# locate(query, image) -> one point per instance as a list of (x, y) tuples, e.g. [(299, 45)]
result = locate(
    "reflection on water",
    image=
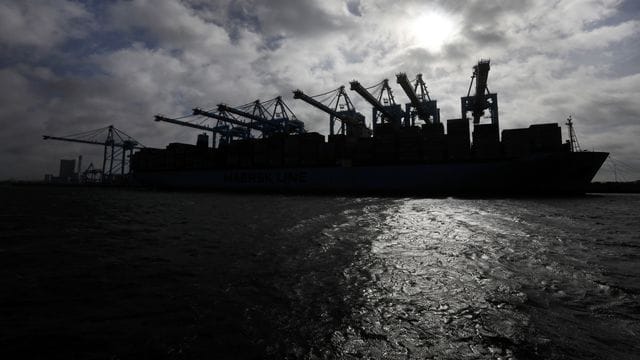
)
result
[(452, 278), (199, 275)]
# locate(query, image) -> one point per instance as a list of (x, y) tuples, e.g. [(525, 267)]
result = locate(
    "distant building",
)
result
[(67, 171)]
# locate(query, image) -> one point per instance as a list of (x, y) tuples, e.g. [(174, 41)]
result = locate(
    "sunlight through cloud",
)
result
[(431, 30)]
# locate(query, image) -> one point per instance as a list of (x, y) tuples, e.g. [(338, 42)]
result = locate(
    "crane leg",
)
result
[(104, 162), (111, 162), (124, 157)]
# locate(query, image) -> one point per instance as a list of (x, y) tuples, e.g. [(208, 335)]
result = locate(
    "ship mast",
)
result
[(573, 139)]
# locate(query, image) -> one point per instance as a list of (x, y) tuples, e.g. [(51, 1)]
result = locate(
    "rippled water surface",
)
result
[(107, 273), (455, 278)]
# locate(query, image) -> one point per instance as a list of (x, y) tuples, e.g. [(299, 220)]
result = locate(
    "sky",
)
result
[(73, 66)]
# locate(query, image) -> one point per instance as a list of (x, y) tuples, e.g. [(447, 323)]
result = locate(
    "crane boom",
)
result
[(355, 86), (228, 119), (126, 144), (47, 137), (425, 108), (482, 99), (222, 130), (260, 119), (404, 82), (481, 72), (299, 94)]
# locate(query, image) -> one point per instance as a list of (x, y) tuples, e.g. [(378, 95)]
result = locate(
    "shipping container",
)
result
[(545, 137), (516, 142), (486, 141), (458, 139)]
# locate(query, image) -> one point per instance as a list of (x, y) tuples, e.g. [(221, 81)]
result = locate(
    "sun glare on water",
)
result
[(431, 30)]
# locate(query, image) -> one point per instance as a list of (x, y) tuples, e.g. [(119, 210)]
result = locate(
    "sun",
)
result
[(432, 29)]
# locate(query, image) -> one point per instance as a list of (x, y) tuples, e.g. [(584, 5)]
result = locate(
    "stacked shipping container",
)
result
[(390, 145)]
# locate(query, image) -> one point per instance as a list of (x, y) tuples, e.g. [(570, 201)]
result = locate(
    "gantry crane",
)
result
[(384, 107), (115, 142), (226, 132), (91, 174), (242, 128), (257, 115), (420, 104), (280, 120), (284, 117), (231, 126), (340, 107), (482, 99)]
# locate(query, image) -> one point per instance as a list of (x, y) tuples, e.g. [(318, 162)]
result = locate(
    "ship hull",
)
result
[(544, 173)]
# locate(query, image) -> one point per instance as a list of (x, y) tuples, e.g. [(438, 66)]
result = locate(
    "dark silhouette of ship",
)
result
[(263, 147)]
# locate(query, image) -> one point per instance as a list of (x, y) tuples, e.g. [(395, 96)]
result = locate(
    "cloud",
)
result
[(125, 61), (170, 23), (354, 7), (42, 23)]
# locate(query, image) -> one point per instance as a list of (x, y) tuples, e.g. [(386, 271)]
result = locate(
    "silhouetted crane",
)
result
[(115, 142), (253, 111), (231, 119), (91, 175), (340, 107), (283, 116), (280, 120), (423, 107), (384, 107), (226, 132), (482, 99)]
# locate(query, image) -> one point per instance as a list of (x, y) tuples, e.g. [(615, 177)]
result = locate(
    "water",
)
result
[(117, 274)]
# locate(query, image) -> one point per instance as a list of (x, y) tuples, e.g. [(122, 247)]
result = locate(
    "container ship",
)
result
[(262, 146)]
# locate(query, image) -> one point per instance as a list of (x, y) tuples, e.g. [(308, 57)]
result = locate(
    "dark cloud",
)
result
[(486, 36), (354, 7), (307, 19), (241, 15)]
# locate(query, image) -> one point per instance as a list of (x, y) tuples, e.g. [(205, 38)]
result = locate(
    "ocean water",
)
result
[(130, 274)]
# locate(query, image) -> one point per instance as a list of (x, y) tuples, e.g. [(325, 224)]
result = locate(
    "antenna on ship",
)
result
[(573, 139)]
